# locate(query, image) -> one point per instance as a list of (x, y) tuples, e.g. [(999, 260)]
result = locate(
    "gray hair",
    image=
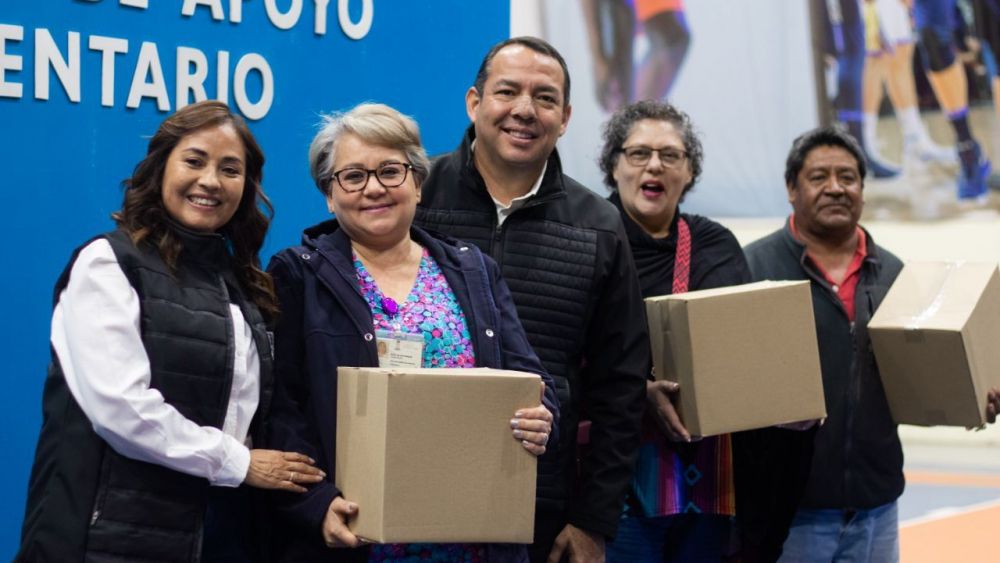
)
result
[(619, 126), (377, 124)]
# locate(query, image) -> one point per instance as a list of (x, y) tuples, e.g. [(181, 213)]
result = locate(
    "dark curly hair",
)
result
[(619, 126), (144, 218)]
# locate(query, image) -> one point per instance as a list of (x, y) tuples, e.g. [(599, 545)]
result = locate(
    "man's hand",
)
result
[(992, 405), (802, 425), (335, 531), (660, 396), (580, 546), (284, 471)]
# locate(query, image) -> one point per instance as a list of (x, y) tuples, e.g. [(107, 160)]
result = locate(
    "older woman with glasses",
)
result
[(363, 278), (683, 496)]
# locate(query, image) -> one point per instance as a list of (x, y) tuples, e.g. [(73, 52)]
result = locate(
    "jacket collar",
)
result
[(638, 237), (330, 240), (798, 248), (198, 247)]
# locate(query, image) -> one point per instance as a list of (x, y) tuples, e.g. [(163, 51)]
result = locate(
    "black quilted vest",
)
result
[(88, 503)]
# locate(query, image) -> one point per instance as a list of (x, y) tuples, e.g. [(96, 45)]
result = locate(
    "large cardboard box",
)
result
[(936, 338), (745, 356), (428, 454)]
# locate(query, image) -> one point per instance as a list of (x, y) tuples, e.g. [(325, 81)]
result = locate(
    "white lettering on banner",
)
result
[(235, 11), (10, 62), (222, 80), (149, 64), (319, 27), (67, 70), (283, 20), (192, 68), (189, 81), (109, 47), (360, 29), (143, 4), (216, 5), (246, 64)]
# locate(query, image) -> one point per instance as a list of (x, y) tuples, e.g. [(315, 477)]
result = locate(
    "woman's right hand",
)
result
[(661, 395), (284, 471), (335, 530)]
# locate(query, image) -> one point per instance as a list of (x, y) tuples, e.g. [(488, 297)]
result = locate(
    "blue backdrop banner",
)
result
[(84, 84)]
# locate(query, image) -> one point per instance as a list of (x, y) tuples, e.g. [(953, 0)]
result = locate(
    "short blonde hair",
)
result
[(373, 123)]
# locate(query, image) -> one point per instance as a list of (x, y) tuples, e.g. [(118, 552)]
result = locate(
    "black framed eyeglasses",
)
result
[(389, 174), (639, 155)]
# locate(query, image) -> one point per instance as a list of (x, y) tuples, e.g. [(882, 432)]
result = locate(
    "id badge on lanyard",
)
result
[(399, 349)]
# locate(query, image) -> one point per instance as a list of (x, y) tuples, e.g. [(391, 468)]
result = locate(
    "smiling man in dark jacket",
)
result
[(564, 254)]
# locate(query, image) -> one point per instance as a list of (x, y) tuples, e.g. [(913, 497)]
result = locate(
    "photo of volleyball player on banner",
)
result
[(914, 81), (930, 149)]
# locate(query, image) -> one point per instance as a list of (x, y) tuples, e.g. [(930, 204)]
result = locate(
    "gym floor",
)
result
[(950, 510)]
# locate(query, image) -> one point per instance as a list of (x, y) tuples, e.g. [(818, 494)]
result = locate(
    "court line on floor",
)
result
[(950, 512), (953, 479)]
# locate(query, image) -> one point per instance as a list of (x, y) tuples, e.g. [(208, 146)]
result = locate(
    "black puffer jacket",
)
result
[(857, 462), (86, 501), (566, 258)]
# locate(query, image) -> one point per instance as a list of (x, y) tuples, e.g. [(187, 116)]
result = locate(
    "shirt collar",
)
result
[(504, 211), (862, 248)]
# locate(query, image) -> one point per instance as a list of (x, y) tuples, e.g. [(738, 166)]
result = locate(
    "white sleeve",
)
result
[(96, 337)]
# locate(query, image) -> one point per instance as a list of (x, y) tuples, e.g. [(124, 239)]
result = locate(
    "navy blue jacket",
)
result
[(325, 323)]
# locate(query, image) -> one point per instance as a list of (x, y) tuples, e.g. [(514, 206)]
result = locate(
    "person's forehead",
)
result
[(651, 126), (514, 58), (830, 155)]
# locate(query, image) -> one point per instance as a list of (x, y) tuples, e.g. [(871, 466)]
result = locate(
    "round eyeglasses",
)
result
[(389, 174), (640, 156)]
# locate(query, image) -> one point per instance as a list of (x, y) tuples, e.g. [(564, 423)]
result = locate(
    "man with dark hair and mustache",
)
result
[(848, 509), (563, 251)]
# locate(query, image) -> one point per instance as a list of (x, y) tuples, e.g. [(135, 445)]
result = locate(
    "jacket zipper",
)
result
[(102, 489), (852, 376), (853, 389), (230, 352), (496, 245)]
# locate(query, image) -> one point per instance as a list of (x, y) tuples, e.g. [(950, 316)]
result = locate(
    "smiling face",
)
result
[(827, 196), (203, 178), (650, 193), (375, 216), (520, 114)]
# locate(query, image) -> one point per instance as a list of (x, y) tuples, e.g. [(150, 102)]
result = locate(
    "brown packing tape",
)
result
[(681, 361), (361, 397), (654, 318)]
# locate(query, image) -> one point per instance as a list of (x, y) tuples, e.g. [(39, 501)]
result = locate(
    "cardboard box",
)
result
[(428, 454), (936, 338), (745, 356)]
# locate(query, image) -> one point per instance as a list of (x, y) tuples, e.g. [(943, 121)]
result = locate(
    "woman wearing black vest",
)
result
[(161, 370), (687, 493)]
